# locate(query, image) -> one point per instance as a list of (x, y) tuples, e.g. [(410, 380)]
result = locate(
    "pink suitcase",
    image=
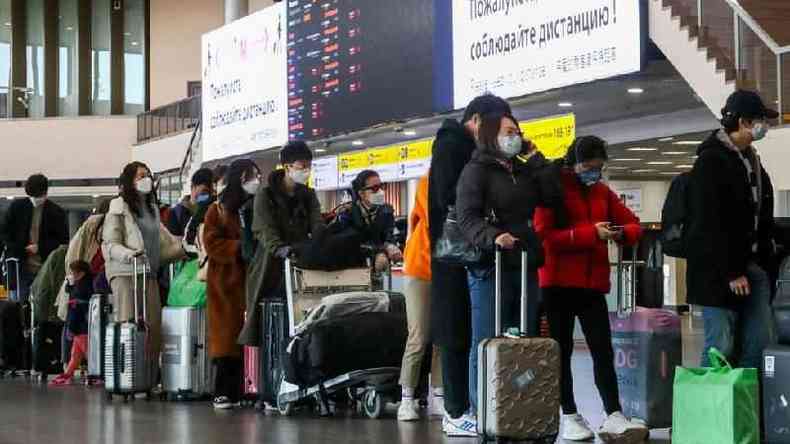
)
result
[(251, 373)]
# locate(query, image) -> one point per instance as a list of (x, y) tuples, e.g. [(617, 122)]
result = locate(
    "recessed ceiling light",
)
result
[(8, 23), (684, 167), (358, 143), (320, 150), (645, 171), (135, 43), (635, 90), (410, 133), (640, 148), (674, 153), (565, 104), (659, 163), (666, 173), (10, 197), (626, 160), (96, 196), (687, 142), (666, 139), (127, 34), (69, 28)]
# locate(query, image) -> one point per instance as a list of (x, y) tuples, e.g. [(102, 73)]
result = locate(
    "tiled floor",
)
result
[(74, 415)]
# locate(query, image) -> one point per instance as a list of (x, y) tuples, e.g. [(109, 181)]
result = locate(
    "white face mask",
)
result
[(299, 176), (378, 198), (38, 201), (759, 131), (510, 145), (144, 185), (251, 187)]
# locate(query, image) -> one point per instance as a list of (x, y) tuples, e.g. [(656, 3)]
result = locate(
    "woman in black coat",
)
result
[(450, 305)]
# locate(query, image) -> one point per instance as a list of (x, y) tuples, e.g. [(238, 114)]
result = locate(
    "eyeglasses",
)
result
[(373, 188)]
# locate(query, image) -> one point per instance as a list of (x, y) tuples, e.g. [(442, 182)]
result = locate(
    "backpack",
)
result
[(674, 218)]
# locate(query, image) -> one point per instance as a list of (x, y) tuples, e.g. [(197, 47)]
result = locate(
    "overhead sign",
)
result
[(513, 48), (324, 173), (245, 88), (552, 136), (351, 164)]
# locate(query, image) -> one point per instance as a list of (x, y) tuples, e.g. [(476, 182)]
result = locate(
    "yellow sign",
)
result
[(417, 150), (353, 161), (385, 156), (552, 136)]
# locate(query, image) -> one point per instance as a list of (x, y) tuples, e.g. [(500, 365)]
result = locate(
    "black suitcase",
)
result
[(332, 347), (46, 340), (782, 304), (275, 333), (776, 394), (12, 338)]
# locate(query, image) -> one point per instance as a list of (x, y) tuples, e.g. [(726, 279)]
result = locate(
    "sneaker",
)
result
[(223, 403), (436, 406), (465, 426), (618, 429), (408, 410), (576, 428)]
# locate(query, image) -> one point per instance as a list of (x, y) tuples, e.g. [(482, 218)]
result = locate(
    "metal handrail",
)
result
[(176, 117)]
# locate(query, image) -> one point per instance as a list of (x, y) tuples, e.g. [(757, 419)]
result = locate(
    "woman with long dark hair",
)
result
[(227, 276), (132, 229)]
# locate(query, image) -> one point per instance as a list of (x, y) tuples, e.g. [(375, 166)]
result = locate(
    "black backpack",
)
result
[(674, 217)]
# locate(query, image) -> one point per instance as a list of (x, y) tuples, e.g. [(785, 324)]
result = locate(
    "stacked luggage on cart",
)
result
[(776, 370)]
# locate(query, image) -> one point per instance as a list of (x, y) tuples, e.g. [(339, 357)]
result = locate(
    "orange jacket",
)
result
[(417, 257)]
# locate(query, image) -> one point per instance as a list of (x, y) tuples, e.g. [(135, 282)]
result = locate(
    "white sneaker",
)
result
[(576, 428), (408, 410), (436, 406), (223, 403), (618, 429), (465, 426)]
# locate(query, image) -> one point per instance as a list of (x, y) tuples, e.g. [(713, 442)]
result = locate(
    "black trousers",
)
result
[(228, 378), (563, 306), (455, 375)]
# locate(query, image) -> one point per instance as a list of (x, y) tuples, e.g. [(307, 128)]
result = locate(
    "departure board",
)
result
[(356, 63)]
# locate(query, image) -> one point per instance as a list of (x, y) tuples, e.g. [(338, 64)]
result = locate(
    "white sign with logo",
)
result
[(245, 87), (325, 173), (632, 198), (516, 47)]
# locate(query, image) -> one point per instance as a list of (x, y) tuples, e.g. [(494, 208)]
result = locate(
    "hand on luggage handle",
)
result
[(498, 288)]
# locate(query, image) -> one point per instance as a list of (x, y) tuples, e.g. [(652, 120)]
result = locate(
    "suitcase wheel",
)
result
[(373, 404), (285, 408)]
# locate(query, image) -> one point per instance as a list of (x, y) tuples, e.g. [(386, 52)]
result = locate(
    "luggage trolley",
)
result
[(368, 389)]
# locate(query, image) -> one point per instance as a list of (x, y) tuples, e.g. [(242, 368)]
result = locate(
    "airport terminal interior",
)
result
[(243, 125)]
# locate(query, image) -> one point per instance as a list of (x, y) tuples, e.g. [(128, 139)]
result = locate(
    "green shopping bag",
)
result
[(186, 290), (718, 405)]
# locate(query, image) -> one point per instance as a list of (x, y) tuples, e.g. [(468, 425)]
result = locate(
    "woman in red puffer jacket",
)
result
[(575, 280)]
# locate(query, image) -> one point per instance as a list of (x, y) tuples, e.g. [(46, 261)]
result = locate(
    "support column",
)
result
[(236, 9)]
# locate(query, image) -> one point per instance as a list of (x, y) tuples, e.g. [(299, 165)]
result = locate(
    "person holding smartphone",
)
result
[(576, 277)]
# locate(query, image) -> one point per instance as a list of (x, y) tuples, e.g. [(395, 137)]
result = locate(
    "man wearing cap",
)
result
[(729, 234)]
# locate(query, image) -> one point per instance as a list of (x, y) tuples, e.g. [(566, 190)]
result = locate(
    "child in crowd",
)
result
[(80, 290)]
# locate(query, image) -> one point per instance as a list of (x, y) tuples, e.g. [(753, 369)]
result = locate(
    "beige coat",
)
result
[(122, 237), (83, 247)]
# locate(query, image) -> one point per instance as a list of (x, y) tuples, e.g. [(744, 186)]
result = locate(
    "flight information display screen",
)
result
[(356, 63)]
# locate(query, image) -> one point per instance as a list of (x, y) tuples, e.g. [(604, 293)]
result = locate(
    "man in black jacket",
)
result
[(450, 304), (729, 236), (34, 228), (201, 193)]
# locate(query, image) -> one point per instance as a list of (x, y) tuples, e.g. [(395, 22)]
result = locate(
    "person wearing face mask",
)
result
[(729, 236), (286, 212), (576, 277), (132, 229), (227, 277), (34, 227), (497, 194), (369, 213), (201, 194)]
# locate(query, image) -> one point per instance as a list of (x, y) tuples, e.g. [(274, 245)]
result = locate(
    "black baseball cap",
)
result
[(749, 105)]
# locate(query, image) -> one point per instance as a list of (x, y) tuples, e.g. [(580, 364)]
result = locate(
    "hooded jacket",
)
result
[(497, 195), (721, 229), (278, 220)]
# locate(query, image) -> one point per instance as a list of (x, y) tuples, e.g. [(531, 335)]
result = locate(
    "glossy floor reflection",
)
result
[(75, 415)]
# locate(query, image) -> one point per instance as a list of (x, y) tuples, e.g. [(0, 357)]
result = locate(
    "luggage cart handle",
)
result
[(498, 289), (625, 307)]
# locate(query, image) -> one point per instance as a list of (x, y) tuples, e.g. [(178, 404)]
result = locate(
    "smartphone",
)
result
[(616, 227)]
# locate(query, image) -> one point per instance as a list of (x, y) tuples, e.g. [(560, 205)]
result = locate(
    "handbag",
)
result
[(452, 248), (186, 290)]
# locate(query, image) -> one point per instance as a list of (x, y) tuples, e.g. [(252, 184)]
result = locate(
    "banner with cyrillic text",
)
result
[(512, 48)]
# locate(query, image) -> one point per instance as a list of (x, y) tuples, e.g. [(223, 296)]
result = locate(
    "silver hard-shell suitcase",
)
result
[(128, 366), (518, 378), (185, 364), (98, 313)]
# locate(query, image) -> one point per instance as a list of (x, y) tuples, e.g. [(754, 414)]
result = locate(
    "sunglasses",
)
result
[(373, 188)]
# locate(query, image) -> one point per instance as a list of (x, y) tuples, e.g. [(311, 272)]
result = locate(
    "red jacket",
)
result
[(575, 256)]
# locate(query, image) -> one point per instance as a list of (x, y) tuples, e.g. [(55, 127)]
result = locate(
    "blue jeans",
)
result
[(481, 291), (742, 333)]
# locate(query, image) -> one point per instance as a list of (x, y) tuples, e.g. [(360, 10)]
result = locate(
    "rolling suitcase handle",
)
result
[(136, 261), (626, 307), (18, 282), (498, 289)]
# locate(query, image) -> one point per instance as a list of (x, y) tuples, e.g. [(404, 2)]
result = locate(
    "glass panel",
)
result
[(134, 63), (35, 57), (68, 104), (758, 67), (5, 56), (100, 57), (785, 88), (718, 34)]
